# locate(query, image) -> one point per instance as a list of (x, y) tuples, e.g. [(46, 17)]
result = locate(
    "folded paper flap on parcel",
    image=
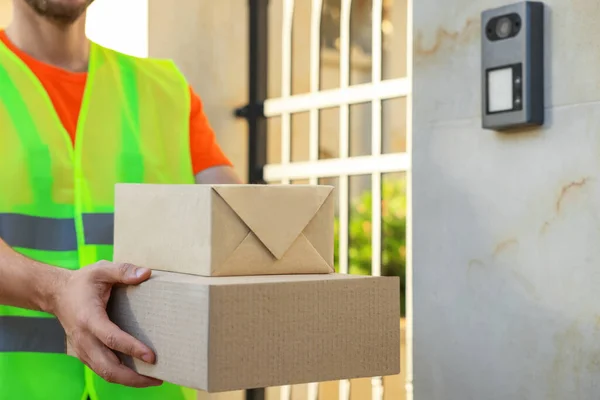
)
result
[(226, 230), (276, 218)]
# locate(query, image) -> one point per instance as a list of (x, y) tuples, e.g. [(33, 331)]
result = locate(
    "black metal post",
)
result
[(257, 89), (253, 112)]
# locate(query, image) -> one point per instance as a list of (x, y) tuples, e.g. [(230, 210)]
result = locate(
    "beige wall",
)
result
[(5, 12), (208, 41)]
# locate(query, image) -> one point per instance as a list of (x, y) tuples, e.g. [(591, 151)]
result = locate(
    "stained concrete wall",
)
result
[(506, 226)]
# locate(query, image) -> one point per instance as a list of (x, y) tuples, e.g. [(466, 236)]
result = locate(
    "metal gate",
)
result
[(343, 165)]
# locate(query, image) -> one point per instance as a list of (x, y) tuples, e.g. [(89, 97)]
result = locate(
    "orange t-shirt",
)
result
[(66, 89)]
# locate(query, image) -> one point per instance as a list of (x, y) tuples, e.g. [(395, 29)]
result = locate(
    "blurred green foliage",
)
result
[(393, 227)]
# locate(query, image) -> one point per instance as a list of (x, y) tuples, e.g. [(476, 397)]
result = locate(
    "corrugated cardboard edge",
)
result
[(192, 305), (219, 292), (219, 298)]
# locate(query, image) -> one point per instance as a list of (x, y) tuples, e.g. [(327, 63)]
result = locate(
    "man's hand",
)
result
[(80, 305), (78, 299)]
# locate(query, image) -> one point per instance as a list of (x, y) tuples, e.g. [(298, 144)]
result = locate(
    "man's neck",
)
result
[(65, 47)]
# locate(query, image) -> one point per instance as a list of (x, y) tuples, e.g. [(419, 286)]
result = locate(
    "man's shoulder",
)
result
[(153, 68)]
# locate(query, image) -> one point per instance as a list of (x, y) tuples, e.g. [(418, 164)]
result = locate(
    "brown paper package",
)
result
[(225, 230)]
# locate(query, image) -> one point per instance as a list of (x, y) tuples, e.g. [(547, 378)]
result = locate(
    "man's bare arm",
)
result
[(26, 283), (78, 299), (218, 175)]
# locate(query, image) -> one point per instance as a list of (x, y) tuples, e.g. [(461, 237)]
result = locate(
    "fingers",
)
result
[(114, 338), (107, 365), (83, 314), (122, 273)]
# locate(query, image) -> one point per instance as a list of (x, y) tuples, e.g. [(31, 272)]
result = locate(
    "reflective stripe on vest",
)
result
[(54, 234), (30, 334)]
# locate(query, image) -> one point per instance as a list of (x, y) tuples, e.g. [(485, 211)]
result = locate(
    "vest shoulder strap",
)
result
[(163, 71)]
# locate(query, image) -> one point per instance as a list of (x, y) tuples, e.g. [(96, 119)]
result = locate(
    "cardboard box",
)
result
[(225, 230), (233, 333)]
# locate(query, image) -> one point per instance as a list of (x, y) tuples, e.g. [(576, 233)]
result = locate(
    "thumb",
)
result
[(125, 273)]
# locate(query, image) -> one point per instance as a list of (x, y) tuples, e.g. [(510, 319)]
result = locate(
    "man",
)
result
[(76, 118)]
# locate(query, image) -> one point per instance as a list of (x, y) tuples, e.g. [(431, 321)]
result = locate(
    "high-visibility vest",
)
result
[(56, 201)]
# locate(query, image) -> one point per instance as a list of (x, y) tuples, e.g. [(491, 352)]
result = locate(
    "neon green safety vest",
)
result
[(56, 202)]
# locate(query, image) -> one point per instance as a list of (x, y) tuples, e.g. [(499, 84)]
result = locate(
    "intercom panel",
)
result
[(512, 66)]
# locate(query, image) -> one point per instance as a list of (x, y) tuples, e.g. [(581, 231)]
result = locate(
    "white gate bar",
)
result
[(315, 74), (285, 392), (376, 48), (346, 8), (313, 133), (363, 165), (376, 140), (312, 391), (376, 76), (344, 389), (286, 48), (409, 209), (286, 80), (376, 57), (344, 132), (362, 93), (376, 224), (345, 12)]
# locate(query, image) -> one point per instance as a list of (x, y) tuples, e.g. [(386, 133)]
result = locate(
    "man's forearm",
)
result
[(218, 176), (27, 283)]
